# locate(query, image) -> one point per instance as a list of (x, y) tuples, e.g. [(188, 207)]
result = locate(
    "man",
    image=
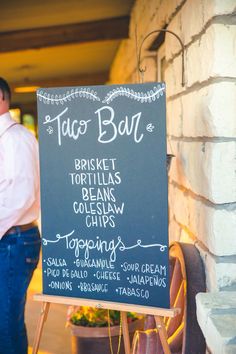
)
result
[(19, 235)]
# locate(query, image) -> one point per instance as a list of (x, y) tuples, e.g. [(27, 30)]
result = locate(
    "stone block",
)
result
[(173, 78), (174, 231), (209, 112), (220, 271), (189, 23), (216, 313), (220, 7), (213, 226), (200, 58), (223, 229), (206, 168), (172, 44), (179, 205), (224, 65), (164, 13), (174, 112), (223, 176), (185, 237), (230, 348), (149, 16), (192, 19), (205, 59)]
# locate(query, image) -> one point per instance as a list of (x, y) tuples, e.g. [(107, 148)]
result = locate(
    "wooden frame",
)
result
[(106, 29), (157, 312)]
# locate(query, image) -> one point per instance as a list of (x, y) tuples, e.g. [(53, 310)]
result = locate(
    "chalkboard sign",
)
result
[(104, 193)]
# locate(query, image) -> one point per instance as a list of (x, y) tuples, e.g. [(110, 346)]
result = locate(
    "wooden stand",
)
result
[(159, 313)]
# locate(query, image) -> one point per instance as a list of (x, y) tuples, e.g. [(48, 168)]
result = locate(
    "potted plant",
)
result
[(99, 331)]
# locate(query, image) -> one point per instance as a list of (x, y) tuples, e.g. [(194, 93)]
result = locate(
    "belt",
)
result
[(21, 228)]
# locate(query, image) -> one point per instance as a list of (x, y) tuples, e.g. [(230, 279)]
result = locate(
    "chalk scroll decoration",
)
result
[(142, 97), (88, 245), (87, 93), (48, 98)]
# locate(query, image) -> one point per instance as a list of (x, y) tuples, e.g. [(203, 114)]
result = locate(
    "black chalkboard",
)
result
[(104, 193)]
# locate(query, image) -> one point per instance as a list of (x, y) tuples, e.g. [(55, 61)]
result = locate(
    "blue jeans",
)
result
[(19, 255)]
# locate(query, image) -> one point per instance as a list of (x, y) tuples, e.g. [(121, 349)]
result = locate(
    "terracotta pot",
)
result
[(86, 340)]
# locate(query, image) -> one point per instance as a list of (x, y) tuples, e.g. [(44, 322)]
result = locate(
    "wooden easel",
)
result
[(158, 313)]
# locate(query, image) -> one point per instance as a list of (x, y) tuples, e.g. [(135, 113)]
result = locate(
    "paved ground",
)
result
[(55, 338)]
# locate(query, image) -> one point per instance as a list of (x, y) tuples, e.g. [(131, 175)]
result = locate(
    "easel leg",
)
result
[(125, 330), (163, 334), (42, 320)]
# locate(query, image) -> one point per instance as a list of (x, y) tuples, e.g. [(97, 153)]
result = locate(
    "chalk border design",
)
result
[(48, 98), (88, 245), (142, 97), (121, 248)]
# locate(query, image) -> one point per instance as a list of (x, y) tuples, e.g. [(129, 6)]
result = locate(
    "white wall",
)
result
[(201, 118), (201, 121)]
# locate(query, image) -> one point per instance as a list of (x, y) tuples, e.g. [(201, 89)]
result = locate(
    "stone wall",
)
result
[(201, 121)]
